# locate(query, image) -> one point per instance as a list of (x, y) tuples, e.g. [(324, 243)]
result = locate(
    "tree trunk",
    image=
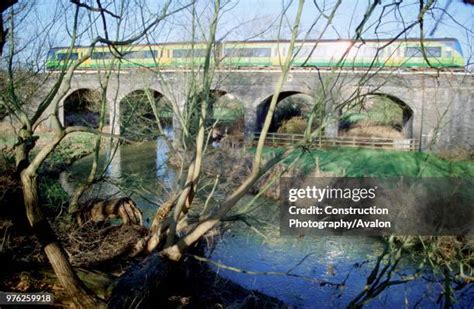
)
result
[(54, 252)]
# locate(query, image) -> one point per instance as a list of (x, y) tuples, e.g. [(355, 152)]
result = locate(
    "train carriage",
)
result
[(248, 54), (187, 55), (441, 53), (136, 56), (104, 57)]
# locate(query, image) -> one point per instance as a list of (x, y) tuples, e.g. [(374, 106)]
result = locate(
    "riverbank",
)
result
[(191, 284)]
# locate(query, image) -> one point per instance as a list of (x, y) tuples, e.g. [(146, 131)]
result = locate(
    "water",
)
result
[(330, 260), (140, 171)]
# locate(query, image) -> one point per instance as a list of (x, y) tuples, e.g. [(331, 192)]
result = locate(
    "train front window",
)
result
[(64, 56), (51, 55), (453, 45), (417, 52)]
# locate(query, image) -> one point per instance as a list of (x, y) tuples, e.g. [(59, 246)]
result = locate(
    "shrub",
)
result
[(295, 125)]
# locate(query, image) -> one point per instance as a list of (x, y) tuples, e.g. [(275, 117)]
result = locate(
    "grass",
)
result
[(73, 147), (356, 162)]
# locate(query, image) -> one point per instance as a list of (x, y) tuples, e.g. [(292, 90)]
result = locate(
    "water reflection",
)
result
[(162, 149), (114, 169), (139, 171)]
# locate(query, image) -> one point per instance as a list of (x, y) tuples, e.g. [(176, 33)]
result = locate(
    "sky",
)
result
[(259, 19), (457, 23)]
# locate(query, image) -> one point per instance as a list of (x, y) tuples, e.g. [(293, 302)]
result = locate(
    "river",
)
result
[(141, 172)]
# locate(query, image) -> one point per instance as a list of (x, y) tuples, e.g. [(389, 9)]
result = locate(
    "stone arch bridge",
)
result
[(438, 108)]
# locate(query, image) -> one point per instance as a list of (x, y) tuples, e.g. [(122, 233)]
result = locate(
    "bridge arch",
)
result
[(227, 112), (144, 112), (81, 107), (378, 114), (290, 105)]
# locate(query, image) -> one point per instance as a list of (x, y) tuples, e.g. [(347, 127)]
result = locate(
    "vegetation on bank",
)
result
[(358, 162), (74, 147)]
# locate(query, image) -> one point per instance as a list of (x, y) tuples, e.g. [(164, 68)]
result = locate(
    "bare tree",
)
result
[(28, 163)]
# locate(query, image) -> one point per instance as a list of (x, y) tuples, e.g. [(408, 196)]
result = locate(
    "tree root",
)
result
[(101, 210)]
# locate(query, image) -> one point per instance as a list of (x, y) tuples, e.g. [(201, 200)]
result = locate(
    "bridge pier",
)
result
[(250, 118), (407, 129), (332, 127), (114, 116)]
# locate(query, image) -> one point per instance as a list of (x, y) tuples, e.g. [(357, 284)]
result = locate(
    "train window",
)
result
[(64, 56), (453, 45), (328, 51), (142, 54), (150, 53), (248, 52), (261, 52), (235, 52), (101, 55), (416, 52), (396, 53), (433, 51), (369, 51), (383, 53), (187, 53)]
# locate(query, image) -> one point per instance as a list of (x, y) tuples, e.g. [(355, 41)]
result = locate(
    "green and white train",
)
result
[(407, 53)]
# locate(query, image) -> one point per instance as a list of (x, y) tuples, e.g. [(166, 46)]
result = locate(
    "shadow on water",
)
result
[(141, 171)]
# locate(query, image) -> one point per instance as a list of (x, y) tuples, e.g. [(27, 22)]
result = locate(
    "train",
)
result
[(406, 53)]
